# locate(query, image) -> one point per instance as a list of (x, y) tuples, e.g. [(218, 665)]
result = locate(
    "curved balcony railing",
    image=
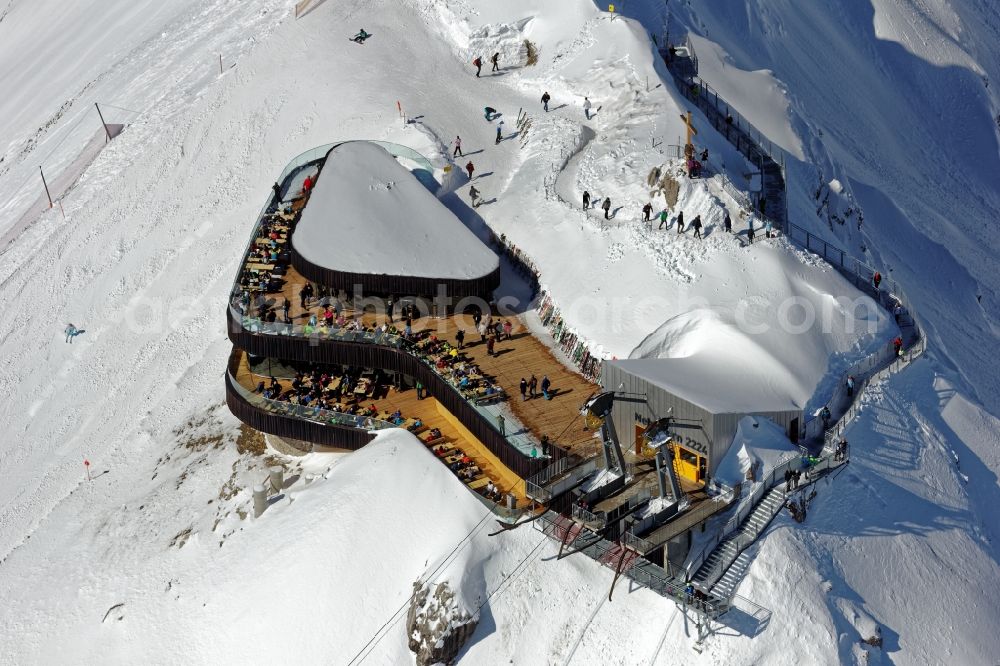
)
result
[(309, 413), (345, 431), (364, 348), (421, 168)]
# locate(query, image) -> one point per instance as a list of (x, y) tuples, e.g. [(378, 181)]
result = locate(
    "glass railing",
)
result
[(310, 413), (421, 167), (524, 442), (241, 306)]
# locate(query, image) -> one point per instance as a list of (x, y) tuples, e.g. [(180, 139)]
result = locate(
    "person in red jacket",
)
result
[(470, 169), (307, 184)]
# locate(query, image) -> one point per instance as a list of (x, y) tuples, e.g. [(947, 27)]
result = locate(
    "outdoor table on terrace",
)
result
[(260, 267), (482, 482)]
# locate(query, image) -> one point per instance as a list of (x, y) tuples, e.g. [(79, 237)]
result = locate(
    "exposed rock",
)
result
[(436, 625)]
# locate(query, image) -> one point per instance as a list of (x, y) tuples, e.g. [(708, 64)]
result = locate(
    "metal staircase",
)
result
[(716, 573)]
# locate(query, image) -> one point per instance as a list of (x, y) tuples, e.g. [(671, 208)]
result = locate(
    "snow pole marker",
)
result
[(86, 465), (46, 185), (399, 107)]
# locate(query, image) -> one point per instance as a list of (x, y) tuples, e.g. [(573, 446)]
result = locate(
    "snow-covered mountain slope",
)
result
[(144, 261)]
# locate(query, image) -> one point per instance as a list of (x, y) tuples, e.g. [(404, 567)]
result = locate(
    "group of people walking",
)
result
[(529, 388)]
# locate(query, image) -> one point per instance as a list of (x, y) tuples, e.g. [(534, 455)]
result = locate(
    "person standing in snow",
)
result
[(825, 415), (277, 192), (71, 332), (876, 280), (474, 193), (606, 206), (727, 223), (767, 229), (680, 222), (499, 132), (545, 101), (496, 62), (663, 218), (307, 185), (586, 200), (647, 210), (458, 147), (850, 386), (470, 168), (489, 112), (696, 225), (478, 62), (586, 107)]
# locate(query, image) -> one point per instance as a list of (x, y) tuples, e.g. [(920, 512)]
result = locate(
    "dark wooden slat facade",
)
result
[(335, 352), (399, 285), (341, 437)]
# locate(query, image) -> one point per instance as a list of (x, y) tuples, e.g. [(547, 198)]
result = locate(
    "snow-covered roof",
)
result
[(757, 440), (720, 388), (369, 214)]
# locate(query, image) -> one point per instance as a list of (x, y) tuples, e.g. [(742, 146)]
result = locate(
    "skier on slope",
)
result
[(474, 193), (499, 132), (71, 332), (361, 36), (470, 168), (489, 112), (458, 147)]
